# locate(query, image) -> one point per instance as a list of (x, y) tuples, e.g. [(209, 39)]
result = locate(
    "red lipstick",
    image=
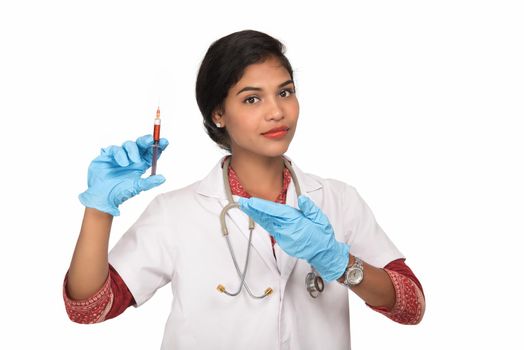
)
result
[(276, 132)]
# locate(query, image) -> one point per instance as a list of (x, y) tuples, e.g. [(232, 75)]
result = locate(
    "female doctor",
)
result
[(260, 254)]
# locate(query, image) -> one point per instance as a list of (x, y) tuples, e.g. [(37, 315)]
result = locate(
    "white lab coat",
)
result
[(178, 239)]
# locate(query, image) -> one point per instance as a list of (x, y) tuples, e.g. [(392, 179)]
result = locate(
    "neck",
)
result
[(259, 175)]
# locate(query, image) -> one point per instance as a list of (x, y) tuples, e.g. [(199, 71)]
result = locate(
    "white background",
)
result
[(417, 104)]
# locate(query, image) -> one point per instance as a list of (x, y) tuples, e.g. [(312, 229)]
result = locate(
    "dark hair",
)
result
[(223, 66)]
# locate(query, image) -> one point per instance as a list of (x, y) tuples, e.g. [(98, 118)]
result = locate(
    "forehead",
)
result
[(267, 73)]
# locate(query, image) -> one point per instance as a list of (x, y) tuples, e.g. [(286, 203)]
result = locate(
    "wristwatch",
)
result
[(354, 273)]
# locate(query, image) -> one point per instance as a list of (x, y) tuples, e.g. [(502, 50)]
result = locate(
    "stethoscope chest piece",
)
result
[(314, 284)]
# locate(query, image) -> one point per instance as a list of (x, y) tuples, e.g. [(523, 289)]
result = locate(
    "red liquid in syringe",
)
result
[(156, 141)]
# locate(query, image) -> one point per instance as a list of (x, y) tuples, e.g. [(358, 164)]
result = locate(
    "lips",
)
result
[(274, 130)]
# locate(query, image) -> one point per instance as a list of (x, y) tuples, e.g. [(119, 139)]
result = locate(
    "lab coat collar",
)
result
[(213, 186)]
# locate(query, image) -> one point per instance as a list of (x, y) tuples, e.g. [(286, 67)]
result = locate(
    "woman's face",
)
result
[(263, 99)]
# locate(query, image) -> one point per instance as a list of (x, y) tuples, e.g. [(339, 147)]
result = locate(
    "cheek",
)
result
[(243, 127), (293, 108)]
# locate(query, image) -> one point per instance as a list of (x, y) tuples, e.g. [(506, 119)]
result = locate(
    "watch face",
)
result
[(355, 276)]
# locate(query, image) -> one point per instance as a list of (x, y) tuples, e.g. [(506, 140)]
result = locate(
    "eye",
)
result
[(286, 92), (251, 100)]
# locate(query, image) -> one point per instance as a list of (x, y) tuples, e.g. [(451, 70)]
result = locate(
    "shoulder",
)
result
[(335, 187), (339, 196), (178, 197), (339, 186)]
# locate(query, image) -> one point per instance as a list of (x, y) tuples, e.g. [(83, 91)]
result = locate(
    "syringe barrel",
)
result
[(156, 151), (156, 130)]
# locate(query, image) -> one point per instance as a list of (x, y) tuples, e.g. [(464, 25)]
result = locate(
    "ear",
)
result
[(217, 115)]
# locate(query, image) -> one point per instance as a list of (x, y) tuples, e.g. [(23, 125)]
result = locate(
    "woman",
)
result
[(304, 224)]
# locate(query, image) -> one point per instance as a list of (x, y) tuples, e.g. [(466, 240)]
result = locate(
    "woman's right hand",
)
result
[(115, 175)]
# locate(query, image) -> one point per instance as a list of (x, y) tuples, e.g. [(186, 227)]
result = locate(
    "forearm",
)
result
[(89, 266), (376, 289)]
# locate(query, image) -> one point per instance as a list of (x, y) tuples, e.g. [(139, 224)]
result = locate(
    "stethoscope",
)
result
[(314, 282)]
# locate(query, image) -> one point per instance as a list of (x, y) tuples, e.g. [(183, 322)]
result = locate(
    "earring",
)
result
[(218, 125)]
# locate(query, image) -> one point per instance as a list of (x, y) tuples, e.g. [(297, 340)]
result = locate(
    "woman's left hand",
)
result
[(305, 233)]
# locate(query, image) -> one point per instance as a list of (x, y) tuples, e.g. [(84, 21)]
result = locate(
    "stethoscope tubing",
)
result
[(242, 273)]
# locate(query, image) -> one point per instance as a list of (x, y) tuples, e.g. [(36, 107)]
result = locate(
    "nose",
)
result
[(274, 109)]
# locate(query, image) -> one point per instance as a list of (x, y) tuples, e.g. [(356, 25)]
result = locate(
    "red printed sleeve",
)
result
[(110, 301), (410, 303)]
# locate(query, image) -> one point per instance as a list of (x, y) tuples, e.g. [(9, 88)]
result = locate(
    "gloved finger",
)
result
[(311, 211), (132, 151), (259, 217), (144, 142), (270, 215), (150, 182), (163, 143), (117, 154), (271, 208), (267, 222)]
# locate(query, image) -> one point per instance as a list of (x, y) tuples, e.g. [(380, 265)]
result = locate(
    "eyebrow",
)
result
[(252, 88)]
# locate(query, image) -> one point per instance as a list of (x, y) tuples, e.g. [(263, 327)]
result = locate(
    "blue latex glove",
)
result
[(305, 233), (115, 175)]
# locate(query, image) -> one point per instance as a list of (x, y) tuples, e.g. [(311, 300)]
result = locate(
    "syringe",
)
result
[(156, 141)]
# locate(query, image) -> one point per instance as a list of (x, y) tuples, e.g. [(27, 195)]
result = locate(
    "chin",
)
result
[(270, 150), (276, 151)]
